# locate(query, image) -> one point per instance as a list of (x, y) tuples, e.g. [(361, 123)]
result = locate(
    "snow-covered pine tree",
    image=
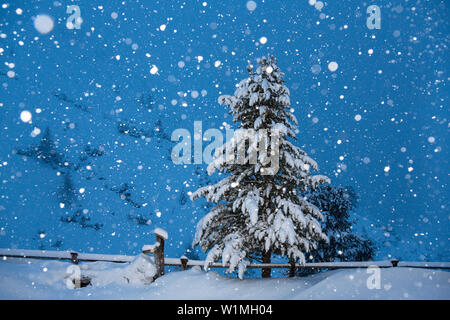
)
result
[(259, 212)]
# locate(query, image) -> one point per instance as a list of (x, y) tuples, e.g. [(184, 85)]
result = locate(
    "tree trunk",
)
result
[(292, 268), (265, 273)]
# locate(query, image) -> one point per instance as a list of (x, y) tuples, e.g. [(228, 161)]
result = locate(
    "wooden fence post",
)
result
[(161, 236), (74, 257), (184, 260)]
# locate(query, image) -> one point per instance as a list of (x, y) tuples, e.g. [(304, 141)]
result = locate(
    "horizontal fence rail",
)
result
[(76, 257), (364, 264), (321, 265)]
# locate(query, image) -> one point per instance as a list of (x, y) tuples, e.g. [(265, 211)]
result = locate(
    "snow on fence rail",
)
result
[(157, 250)]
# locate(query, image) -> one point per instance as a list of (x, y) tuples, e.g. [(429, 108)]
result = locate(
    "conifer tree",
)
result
[(336, 203), (259, 208), (46, 151)]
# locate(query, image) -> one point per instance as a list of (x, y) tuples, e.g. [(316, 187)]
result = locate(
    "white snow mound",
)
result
[(40, 279)]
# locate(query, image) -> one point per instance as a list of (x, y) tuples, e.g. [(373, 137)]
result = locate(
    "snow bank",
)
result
[(396, 283), (140, 271), (38, 279), (45, 279)]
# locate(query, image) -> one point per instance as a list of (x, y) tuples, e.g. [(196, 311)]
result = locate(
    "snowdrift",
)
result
[(38, 279)]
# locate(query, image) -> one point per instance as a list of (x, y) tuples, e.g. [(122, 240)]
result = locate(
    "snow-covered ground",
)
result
[(43, 279)]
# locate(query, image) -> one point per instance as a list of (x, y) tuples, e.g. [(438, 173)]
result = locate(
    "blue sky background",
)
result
[(378, 123)]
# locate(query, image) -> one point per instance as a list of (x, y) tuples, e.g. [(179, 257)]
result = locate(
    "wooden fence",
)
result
[(157, 250)]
